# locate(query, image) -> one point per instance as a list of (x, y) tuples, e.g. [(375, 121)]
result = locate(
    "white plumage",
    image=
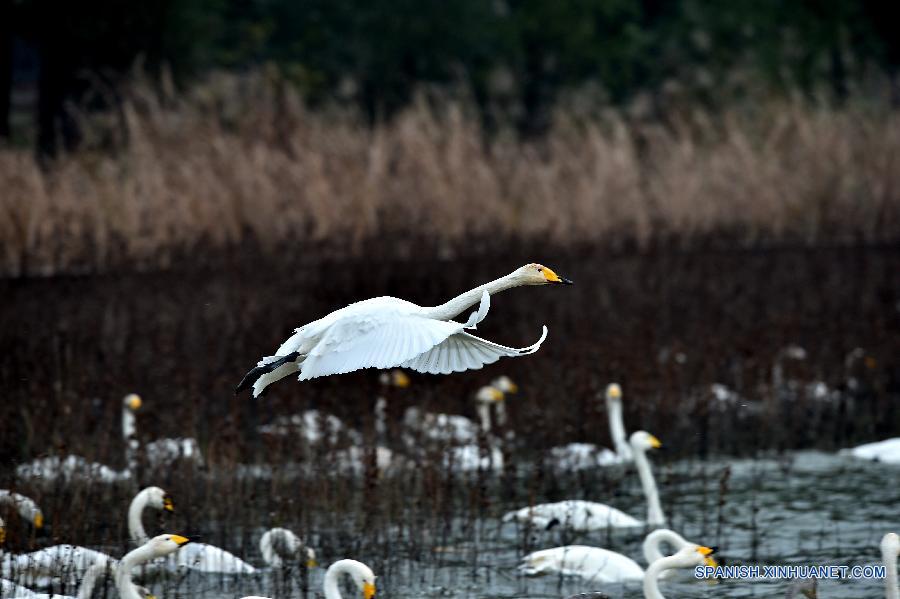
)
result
[(387, 332), (581, 515), (887, 451)]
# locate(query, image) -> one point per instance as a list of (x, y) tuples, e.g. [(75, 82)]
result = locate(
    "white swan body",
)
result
[(453, 428), (887, 451), (387, 332), (159, 453), (592, 563), (581, 515), (201, 557), (584, 456), (314, 427), (280, 544), (686, 557), (470, 458)]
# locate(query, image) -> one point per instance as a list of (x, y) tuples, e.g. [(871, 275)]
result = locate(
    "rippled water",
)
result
[(808, 508)]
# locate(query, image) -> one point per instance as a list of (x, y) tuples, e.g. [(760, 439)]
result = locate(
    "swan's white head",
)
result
[(159, 499), (394, 378), (163, 545), (642, 441), (890, 545), (505, 384), (132, 401), (538, 274), (362, 575), (694, 555), (489, 394), (613, 391)]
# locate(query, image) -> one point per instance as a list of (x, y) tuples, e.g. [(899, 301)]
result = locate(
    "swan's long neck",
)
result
[(468, 299), (617, 427), (131, 560), (135, 526), (655, 516), (277, 544), (655, 538), (332, 575), (651, 576), (90, 580), (484, 414), (129, 434), (890, 576)]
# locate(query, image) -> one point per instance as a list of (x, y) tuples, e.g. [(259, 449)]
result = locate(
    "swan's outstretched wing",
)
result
[(462, 351)]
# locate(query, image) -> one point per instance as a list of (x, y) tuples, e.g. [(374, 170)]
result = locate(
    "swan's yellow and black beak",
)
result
[(368, 590), (654, 442), (168, 504), (180, 540), (312, 563), (2, 535), (401, 379), (552, 277), (38, 520), (707, 552)]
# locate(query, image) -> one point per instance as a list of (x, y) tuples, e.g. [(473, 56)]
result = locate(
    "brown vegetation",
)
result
[(241, 158)]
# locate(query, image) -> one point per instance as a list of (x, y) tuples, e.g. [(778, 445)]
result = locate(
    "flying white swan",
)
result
[(581, 515), (597, 564), (69, 563), (583, 456), (890, 547), (361, 575), (280, 545), (386, 332)]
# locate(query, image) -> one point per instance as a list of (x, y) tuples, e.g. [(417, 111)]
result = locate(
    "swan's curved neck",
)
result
[(465, 300), (890, 576), (135, 526), (484, 414), (332, 575), (617, 427), (129, 434), (655, 516), (90, 580), (655, 538), (651, 576), (131, 560)]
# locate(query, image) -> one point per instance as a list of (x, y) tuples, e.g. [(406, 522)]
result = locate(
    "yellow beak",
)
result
[(368, 590), (401, 379), (655, 443), (2, 535), (311, 563), (180, 540), (168, 504), (39, 520), (134, 401)]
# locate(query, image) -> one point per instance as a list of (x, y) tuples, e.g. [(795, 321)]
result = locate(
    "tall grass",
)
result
[(241, 158)]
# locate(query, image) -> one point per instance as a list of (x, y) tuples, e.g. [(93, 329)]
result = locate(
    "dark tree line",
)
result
[(507, 53)]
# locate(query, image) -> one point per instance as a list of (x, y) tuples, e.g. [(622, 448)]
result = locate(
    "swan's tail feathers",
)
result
[(267, 371)]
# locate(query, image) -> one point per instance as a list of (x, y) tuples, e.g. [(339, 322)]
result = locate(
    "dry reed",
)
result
[(241, 158)]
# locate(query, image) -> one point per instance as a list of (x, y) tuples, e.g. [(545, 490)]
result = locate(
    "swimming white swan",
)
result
[(26, 507), (453, 428), (587, 515), (887, 451), (157, 547), (583, 456), (686, 557), (280, 544), (159, 453), (890, 547), (386, 332), (361, 575), (597, 564), (69, 563)]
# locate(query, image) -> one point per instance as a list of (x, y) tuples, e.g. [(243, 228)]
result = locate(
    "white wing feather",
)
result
[(462, 351)]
